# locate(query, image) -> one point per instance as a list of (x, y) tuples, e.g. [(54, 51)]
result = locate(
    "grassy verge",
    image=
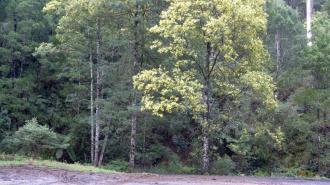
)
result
[(9, 161)]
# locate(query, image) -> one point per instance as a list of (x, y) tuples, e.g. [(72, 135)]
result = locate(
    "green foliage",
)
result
[(117, 165), (36, 140), (173, 168), (293, 172), (259, 146), (262, 86), (260, 173), (184, 38), (158, 153), (223, 166), (16, 160), (317, 57), (47, 46), (167, 93), (215, 54), (285, 23)]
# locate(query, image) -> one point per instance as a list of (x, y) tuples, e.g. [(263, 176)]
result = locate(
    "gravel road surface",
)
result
[(30, 175)]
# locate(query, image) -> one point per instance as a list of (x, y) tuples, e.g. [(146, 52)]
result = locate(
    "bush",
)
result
[(118, 165), (157, 154), (293, 172), (223, 166), (173, 167), (35, 140), (164, 161), (260, 173)]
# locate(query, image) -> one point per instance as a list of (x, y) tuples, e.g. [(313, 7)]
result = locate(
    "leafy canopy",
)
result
[(232, 29)]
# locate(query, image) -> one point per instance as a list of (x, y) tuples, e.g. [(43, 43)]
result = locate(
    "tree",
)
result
[(216, 48), (284, 34), (22, 27), (140, 15), (308, 91), (137, 61), (83, 39)]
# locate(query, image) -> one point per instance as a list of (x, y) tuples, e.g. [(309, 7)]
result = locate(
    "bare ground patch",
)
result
[(31, 175)]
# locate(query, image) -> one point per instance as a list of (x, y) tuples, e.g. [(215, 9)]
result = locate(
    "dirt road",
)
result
[(30, 175)]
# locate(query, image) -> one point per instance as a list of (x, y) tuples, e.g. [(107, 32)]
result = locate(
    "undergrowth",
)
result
[(14, 160)]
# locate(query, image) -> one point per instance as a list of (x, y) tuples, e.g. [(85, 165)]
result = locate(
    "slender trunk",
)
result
[(97, 117), (144, 145), (13, 63), (92, 105), (105, 141), (136, 58), (205, 127), (206, 116), (12, 73), (98, 90), (278, 52), (103, 149), (77, 91), (15, 21), (206, 159), (133, 142), (309, 11)]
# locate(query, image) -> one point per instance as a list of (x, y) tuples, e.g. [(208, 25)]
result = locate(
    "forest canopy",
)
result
[(169, 86)]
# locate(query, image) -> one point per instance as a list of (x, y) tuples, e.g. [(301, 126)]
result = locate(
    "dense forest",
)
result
[(168, 86)]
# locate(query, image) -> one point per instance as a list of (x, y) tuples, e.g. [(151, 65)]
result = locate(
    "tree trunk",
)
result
[(15, 21), (12, 71), (206, 116), (206, 159), (133, 142), (92, 105), (144, 145), (105, 141), (309, 11), (278, 52), (136, 59), (98, 90), (205, 127), (103, 149), (13, 63), (97, 117)]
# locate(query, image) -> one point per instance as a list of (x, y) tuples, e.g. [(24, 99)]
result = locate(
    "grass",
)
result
[(9, 161)]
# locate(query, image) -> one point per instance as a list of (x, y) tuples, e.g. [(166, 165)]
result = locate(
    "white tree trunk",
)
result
[(309, 12), (97, 118), (98, 91), (133, 142), (206, 159), (278, 52), (92, 106), (206, 116)]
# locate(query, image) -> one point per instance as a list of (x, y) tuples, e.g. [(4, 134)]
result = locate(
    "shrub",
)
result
[(223, 166), (157, 154), (260, 173), (173, 167), (118, 165), (35, 140)]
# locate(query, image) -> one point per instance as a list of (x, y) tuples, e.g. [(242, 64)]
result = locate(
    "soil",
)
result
[(31, 175)]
